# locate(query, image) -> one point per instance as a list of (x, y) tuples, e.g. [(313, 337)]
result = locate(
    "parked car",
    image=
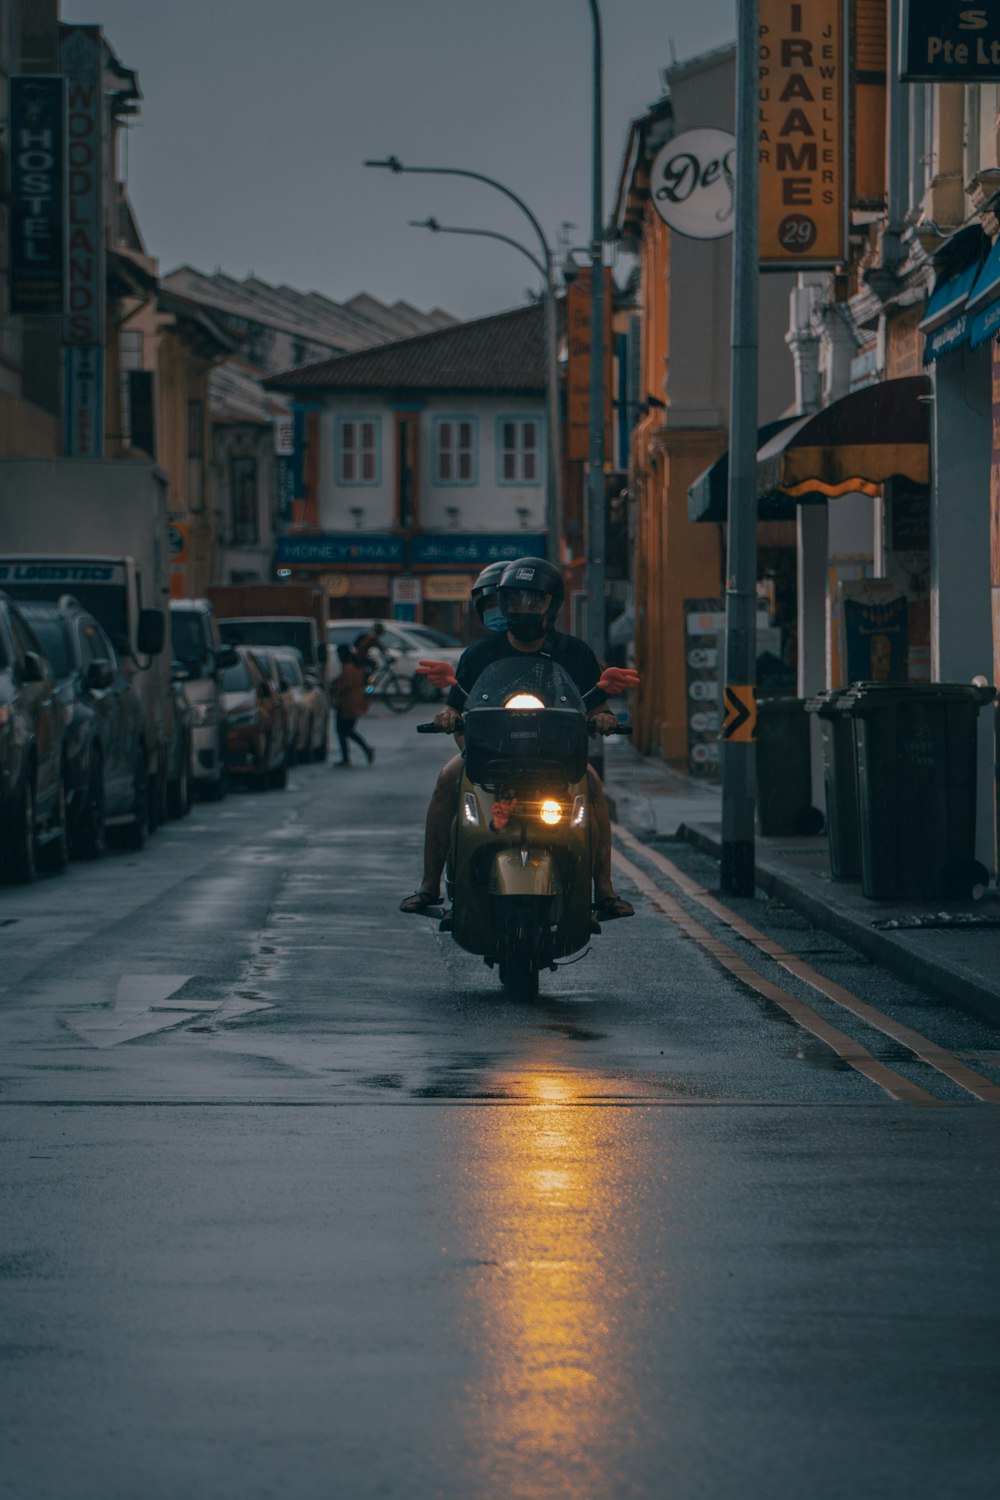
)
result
[(312, 706), (104, 751), (405, 643), (33, 832), (256, 732), (198, 659)]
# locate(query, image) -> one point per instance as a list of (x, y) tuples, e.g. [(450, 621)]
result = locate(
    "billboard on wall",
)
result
[(949, 43), (578, 328), (35, 174), (692, 183), (803, 156)]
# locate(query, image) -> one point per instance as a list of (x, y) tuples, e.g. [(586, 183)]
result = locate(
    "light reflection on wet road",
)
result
[(297, 1203)]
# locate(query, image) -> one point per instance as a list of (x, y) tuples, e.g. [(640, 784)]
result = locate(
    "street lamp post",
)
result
[(595, 447), (738, 755), (554, 513)]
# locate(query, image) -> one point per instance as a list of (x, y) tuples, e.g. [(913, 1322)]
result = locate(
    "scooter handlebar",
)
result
[(433, 728)]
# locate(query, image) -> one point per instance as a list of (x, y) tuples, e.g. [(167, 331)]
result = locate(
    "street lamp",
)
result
[(488, 234), (554, 495)]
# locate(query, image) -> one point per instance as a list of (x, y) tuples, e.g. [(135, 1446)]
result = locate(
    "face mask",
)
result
[(495, 619), (526, 627)]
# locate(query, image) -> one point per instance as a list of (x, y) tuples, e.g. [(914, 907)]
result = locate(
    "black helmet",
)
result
[(487, 583), (524, 584)]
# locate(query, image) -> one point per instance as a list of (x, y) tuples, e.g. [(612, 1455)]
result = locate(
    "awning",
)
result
[(708, 494), (957, 264), (983, 307), (853, 445)]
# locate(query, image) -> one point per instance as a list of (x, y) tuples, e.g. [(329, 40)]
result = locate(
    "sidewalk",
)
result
[(959, 964)]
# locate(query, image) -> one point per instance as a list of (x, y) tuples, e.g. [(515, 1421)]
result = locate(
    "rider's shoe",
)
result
[(418, 903)]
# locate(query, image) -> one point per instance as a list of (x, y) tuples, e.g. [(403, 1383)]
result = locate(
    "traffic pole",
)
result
[(739, 707), (596, 608)]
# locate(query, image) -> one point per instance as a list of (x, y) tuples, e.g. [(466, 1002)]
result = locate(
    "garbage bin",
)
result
[(840, 780), (916, 751), (784, 778)]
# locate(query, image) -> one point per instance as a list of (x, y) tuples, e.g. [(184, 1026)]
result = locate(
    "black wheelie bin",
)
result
[(840, 779), (784, 778), (917, 750)]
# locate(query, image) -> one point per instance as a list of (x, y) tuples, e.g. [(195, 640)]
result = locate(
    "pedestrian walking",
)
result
[(350, 701)]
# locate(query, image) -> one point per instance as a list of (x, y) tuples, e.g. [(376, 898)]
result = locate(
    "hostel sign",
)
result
[(36, 190), (803, 180), (81, 53), (946, 41)]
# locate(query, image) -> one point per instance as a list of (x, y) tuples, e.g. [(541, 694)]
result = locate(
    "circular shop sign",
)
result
[(692, 183)]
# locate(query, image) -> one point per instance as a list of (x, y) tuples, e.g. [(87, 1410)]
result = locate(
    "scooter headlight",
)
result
[(524, 700), (550, 812)]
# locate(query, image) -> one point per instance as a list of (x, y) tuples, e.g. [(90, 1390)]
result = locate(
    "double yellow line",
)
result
[(845, 1047)]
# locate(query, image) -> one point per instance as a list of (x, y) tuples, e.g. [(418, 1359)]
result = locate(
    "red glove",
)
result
[(440, 674), (617, 679), (503, 810)]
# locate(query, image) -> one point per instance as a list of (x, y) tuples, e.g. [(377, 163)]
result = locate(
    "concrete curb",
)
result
[(947, 981)]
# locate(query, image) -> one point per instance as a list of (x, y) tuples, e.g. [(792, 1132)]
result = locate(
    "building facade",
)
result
[(683, 298), (424, 461)]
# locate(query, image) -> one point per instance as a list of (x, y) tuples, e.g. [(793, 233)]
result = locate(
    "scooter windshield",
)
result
[(535, 676)]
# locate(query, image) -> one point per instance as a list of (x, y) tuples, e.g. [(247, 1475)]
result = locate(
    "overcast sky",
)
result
[(257, 115)]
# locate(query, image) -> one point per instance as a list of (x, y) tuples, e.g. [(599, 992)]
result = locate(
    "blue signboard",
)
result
[(370, 551), (943, 43), (473, 550)]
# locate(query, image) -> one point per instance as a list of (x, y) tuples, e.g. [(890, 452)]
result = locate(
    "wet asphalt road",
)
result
[(294, 1203)]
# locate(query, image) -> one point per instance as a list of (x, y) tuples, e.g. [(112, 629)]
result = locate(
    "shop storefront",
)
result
[(425, 577)]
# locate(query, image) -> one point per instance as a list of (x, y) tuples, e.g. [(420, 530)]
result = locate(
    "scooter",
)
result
[(520, 868)]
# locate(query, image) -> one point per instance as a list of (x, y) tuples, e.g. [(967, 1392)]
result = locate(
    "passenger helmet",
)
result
[(486, 584), (524, 586)]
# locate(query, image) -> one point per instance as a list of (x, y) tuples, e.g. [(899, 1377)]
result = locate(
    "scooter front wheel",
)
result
[(519, 978)]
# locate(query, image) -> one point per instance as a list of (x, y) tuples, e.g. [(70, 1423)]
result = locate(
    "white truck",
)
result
[(97, 529)]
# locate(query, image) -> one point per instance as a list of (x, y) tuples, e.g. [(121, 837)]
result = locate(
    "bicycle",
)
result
[(396, 692)]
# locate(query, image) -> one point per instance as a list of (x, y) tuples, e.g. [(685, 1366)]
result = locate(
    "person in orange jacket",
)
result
[(350, 701)]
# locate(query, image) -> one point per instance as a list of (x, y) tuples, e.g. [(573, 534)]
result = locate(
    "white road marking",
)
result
[(142, 1006)]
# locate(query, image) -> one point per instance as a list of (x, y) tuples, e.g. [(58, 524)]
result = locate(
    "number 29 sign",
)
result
[(803, 192)]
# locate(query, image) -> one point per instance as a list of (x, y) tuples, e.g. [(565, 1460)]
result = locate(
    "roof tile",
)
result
[(504, 352)]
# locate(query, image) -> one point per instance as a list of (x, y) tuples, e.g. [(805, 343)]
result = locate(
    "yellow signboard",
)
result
[(803, 158), (448, 588)]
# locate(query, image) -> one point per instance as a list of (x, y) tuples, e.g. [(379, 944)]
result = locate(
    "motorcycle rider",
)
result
[(531, 593), (484, 597)]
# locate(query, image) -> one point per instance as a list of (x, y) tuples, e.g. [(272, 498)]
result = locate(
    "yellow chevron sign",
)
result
[(740, 724)]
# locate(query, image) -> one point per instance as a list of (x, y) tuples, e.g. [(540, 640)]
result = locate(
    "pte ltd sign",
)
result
[(949, 41)]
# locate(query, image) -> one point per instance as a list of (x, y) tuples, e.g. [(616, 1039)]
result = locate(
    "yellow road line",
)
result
[(852, 1052), (922, 1047)]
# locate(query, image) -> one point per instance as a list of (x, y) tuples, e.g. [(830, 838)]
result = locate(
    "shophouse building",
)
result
[(268, 329), (425, 460), (895, 468), (680, 395)]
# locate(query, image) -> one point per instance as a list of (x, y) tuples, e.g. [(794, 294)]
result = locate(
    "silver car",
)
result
[(198, 661)]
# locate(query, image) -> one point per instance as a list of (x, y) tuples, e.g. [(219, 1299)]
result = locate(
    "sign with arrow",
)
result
[(740, 724)]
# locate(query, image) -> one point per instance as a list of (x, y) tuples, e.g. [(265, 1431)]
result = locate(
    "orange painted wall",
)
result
[(674, 559)]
